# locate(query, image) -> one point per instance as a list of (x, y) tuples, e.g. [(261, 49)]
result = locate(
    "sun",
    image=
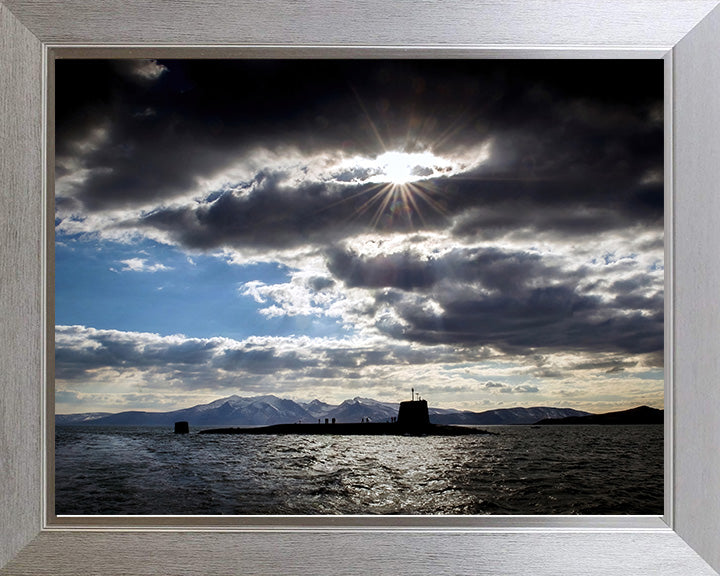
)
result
[(399, 186), (400, 183), (397, 167)]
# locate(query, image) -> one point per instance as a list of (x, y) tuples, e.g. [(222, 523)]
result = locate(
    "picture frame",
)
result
[(684, 541)]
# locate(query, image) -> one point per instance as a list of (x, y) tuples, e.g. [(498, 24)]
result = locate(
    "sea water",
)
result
[(515, 470)]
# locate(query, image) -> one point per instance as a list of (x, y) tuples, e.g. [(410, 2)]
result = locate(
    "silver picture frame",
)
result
[(685, 33)]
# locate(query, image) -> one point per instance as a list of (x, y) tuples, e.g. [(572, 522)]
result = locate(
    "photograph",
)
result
[(358, 287)]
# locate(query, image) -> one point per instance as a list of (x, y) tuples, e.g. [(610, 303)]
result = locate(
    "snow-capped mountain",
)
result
[(358, 409), (317, 408), (230, 411), (266, 410), (259, 410)]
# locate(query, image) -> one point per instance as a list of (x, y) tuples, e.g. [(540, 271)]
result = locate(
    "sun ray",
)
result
[(387, 197), (373, 127), (410, 198), (401, 185), (399, 181)]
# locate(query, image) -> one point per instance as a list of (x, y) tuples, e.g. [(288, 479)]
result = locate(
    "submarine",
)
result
[(413, 419)]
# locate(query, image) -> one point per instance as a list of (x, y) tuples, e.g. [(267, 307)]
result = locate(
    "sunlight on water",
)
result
[(520, 470)]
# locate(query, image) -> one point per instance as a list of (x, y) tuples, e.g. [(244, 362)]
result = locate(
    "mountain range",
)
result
[(267, 410)]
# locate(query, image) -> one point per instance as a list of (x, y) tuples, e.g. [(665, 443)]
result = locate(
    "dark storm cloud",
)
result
[(262, 361), (271, 215), (513, 300), (632, 284), (268, 215), (204, 114), (550, 318), (638, 302), (608, 365), (80, 350), (567, 138), (494, 269), (556, 209), (403, 271)]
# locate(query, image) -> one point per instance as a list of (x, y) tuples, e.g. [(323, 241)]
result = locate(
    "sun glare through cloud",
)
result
[(401, 183), (397, 167)]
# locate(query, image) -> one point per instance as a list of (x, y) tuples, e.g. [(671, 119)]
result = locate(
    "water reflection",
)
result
[(521, 470)]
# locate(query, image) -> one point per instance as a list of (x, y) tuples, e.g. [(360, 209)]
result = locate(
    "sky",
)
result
[(487, 232)]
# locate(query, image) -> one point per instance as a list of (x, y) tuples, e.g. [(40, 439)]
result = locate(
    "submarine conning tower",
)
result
[(413, 413)]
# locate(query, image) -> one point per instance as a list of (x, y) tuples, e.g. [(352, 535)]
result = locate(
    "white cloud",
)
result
[(140, 265), (186, 370), (146, 70), (111, 361)]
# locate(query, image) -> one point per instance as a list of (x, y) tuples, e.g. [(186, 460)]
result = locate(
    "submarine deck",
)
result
[(353, 429)]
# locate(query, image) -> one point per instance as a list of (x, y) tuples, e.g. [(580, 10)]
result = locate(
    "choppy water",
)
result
[(520, 470)]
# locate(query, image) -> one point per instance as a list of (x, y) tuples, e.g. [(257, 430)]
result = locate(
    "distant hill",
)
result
[(78, 419), (503, 416), (639, 415), (269, 409)]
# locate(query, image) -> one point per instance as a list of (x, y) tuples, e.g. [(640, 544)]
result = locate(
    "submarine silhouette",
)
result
[(412, 420)]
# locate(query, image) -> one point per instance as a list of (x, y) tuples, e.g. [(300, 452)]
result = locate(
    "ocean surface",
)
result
[(517, 470)]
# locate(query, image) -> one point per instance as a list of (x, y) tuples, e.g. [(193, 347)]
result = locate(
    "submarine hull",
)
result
[(350, 429)]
